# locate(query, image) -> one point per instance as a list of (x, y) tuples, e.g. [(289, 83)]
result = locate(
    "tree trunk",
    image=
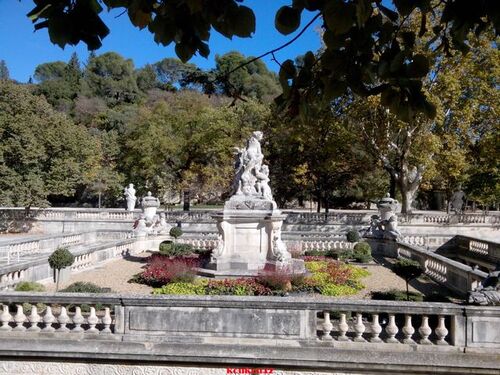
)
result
[(58, 276), (407, 291), (392, 186)]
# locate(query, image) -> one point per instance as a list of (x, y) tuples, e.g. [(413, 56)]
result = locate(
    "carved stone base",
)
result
[(250, 203), (250, 241)]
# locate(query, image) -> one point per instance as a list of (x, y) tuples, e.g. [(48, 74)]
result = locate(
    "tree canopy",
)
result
[(366, 49)]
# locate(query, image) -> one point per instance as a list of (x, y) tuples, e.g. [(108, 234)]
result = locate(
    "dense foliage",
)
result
[(80, 132), (366, 47)]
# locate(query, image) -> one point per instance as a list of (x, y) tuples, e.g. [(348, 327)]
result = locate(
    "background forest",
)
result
[(83, 129)]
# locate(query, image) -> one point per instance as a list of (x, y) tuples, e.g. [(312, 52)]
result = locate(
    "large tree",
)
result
[(437, 151), (42, 153), (111, 77), (364, 51), (4, 71), (184, 141)]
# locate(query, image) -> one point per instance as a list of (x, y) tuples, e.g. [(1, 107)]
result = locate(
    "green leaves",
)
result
[(339, 16), (419, 67), (139, 13), (287, 20), (363, 11), (244, 25)]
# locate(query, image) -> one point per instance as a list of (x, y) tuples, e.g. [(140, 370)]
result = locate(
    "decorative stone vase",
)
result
[(149, 206)]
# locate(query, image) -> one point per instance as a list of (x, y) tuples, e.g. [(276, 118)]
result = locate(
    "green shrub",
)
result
[(237, 287), (335, 290), (332, 253), (352, 236), (346, 254), (407, 269), (84, 287), (397, 295), (59, 259), (362, 252), (183, 288), (172, 249), (29, 286), (175, 232), (436, 297)]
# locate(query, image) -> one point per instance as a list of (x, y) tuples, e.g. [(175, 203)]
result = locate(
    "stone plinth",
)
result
[(249, 240)]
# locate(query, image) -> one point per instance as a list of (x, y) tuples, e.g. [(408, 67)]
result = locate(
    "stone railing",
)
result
[(452, 274), (302, 245), (282, 331), (475, 247), (14, 250), (427, 241), (347, 217)]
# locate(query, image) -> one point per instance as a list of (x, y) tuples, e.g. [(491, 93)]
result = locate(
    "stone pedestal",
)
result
[(250, 240)]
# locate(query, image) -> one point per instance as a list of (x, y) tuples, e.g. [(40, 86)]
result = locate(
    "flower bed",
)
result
[(325, 276)]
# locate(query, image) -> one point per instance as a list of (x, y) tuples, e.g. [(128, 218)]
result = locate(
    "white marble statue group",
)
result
[(252, 177)]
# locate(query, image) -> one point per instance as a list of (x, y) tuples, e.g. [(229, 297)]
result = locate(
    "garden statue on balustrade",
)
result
[(130, 197), (488, 292), (149, 222), (250, 225), (385, 225)]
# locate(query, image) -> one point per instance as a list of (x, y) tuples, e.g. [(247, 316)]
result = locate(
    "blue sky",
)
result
[(23, 49)]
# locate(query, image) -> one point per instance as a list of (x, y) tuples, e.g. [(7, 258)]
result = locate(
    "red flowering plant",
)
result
[(161, 270)]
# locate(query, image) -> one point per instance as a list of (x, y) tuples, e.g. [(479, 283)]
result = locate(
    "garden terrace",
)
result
[(295, 333)]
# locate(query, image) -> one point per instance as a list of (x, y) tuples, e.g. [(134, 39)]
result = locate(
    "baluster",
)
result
[(106, 320), (63, 319), (359, 328), (34, 318), (327, 327), (78, 320), (391, 329), (376, 329), (343, 327), (19, 318), (5, 319), (441, 331), (48, 319), (408, 330), (92, 320), (425, 331)]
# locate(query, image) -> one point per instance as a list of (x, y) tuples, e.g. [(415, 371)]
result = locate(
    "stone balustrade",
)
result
[(349, 217), (11, 278), (352, 321), (452, 274), (475, 247)]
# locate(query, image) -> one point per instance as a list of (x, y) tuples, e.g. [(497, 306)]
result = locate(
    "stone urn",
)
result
[(149, 206)]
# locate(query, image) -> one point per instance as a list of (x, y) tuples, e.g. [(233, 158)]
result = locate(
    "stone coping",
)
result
[(248, 302), (330, 357)]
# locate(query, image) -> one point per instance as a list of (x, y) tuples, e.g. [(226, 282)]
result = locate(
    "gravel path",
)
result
[(115, 274)]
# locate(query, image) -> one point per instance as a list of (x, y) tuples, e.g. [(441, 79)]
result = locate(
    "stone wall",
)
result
[(302, 335)]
